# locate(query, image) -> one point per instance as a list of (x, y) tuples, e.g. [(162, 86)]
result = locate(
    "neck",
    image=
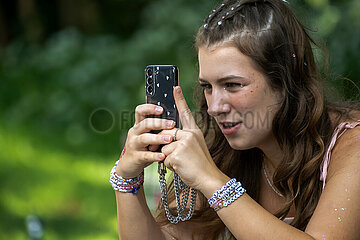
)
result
[(269, 166), (272, 156)]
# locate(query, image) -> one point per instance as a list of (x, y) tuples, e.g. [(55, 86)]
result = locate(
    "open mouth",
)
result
[(229, 128), (229, 125)]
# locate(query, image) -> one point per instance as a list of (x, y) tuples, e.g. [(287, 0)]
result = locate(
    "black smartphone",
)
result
[(160, 81)]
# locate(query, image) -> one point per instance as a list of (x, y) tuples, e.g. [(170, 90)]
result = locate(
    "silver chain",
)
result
[(180, 203), (269, 182)]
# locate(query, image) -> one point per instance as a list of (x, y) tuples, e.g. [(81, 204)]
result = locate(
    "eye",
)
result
[(205, 86), (232, 86)]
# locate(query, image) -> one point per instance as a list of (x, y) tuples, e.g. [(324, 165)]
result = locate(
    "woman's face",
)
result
[(238, 97)]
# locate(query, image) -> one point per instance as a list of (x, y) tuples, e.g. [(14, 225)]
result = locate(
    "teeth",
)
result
[(229, 125)]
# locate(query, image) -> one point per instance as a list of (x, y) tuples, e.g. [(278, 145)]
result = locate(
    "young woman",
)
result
[(266, 123)]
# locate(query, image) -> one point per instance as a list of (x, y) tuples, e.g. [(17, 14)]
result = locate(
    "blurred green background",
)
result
[(71, 74)]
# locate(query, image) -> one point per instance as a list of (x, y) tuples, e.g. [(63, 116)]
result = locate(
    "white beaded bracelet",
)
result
[(226, 195)]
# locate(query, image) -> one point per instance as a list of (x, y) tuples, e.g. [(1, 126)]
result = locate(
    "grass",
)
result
[(69, 192)]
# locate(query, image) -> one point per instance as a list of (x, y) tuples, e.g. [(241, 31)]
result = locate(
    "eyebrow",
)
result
[(223, 78)]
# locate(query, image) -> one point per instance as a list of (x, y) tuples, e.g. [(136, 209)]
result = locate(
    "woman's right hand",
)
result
[(137, 156)]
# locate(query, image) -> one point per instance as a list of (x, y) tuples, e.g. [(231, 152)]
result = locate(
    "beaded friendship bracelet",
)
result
[(127, 185), (130, 185), (226, 195)]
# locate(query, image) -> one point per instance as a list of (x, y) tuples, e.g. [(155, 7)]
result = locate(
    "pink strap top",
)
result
[(339, 130)]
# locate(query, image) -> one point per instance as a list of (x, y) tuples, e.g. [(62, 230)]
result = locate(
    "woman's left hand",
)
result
[(188, 156)]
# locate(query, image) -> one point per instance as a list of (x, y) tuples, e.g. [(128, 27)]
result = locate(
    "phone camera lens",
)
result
[(149, 80), (150, 89), (149, 72)]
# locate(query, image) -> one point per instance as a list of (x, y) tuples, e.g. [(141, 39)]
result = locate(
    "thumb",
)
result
[(186, 118)]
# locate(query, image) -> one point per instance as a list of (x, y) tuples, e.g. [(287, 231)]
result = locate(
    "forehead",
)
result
[(219, 61)]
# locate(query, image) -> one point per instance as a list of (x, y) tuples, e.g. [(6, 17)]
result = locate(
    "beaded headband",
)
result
[(227, 15)]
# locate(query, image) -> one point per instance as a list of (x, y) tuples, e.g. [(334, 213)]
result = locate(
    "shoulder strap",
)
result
[(340, 130)]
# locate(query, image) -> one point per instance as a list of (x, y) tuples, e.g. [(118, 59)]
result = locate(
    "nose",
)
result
[(217, 103)]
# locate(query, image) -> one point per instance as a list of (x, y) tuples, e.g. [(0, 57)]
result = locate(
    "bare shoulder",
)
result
[(338, 211), (346, 152)]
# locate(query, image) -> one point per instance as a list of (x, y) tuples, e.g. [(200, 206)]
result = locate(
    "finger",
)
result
[(186, 118), (149, 124), (186, 134), (169, 148), (152, 139), (150, 156), (176, 133), (153, 148), (141, 111), (168, 163)]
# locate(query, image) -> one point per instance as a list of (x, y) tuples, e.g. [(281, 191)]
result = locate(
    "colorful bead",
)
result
[(121, 184), (227, 194)]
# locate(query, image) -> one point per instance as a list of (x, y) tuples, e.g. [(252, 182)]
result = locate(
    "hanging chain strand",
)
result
[(180, 203)]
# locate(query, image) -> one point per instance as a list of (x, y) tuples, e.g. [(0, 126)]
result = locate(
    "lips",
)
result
[(229, 128)]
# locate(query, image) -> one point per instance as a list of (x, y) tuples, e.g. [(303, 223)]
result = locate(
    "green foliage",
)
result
[(56, 154), (70, 193), (338, 24)]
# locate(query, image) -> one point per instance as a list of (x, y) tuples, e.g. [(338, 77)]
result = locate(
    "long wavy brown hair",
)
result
[(268, 32)]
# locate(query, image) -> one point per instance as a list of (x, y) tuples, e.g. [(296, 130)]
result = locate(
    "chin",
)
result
[(238, 146)]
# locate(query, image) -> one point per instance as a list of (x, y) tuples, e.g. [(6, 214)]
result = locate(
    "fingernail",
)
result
[(166, 138), (178, 90), (158, 109), (160, 156), (169, 123)]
